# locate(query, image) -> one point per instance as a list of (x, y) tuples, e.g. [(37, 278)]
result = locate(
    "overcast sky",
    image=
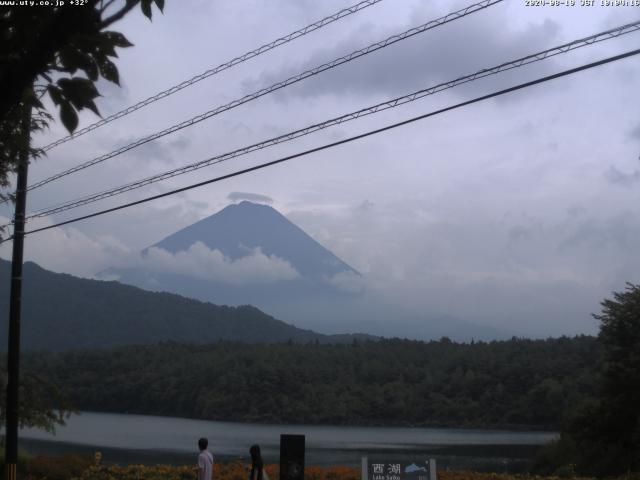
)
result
[(520, 212)]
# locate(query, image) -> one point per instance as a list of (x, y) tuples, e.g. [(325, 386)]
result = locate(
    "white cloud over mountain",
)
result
[(201, 262)]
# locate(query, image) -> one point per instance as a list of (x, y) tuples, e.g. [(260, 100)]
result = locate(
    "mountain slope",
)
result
[(233, 258), (62, 312), (239, 228), (212, 259)]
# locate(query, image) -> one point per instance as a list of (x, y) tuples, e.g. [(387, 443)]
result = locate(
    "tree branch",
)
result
[(118, 15), (103, 8)]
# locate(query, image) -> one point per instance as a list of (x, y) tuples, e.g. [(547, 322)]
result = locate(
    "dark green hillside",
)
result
[(519, 383), (62, 312)]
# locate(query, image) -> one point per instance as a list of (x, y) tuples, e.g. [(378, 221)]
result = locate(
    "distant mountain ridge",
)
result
[(63, 312)]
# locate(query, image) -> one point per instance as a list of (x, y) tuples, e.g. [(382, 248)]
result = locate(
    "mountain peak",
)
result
[(240, 228), (246, 209), (246, 205), (250, 204)]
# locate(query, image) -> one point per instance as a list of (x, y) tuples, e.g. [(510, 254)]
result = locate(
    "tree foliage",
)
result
[(512, 384), (602, 437), (43, 404), (60, 52), (607, 435)]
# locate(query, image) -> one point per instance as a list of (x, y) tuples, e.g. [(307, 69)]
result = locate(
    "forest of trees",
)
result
[(601, 436), (519, 383), (586, 387)]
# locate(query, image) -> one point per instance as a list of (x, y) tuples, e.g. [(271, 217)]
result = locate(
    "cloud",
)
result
[(201, 262), (459, 48), (71, 251), (617, 177), (161, 150), (252, 197), (613, 235), (532, 275), (348, 282)]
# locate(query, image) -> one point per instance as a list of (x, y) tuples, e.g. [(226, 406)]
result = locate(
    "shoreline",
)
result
[(127, 439), (481, 458), (546, 429)]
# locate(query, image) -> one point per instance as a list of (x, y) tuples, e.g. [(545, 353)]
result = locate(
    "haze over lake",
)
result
[(324, 444)]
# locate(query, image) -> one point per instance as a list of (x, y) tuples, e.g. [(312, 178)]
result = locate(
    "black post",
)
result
[(13, 356), (292, 457)]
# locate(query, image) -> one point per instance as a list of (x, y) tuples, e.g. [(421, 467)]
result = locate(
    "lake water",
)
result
[(150, 439)]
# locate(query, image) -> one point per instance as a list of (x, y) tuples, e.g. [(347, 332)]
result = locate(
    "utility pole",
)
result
[(13, 355)]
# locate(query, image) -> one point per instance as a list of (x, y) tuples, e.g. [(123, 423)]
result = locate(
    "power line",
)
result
[(346, 140), (213, 71), (277, 86), (536, 57)]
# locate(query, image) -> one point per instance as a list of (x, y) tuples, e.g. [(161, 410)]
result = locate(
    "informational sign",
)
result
[(374, 468)]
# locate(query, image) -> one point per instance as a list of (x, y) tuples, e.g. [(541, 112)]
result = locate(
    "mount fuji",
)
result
[(250, 254), (247, 253)]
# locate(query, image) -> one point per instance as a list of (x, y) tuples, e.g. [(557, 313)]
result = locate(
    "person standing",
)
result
[(257, 467), (205, 461)]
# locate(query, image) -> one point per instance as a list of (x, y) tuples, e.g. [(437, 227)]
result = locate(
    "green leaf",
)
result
[(145, 5), (68, 116), (109, 71), (117, 39), (91, 105), (88, 65), (56, 94), (106, 48), (79, 91), (74, 59), (68, 59), (91, 70)]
